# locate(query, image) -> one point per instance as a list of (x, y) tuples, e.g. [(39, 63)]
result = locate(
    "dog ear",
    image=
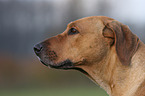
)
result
[(125, 41)]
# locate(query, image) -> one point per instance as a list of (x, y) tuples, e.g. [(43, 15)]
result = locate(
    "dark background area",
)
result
[(23, 23)]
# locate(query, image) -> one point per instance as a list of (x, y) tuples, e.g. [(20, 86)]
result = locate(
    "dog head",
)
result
[(87, 41)]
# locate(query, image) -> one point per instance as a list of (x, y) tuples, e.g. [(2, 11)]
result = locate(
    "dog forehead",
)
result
[(88, 22)]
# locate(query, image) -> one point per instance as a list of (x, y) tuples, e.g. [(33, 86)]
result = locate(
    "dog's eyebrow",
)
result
[(71, 24)]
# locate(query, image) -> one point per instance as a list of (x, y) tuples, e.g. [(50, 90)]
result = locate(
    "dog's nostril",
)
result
[(37, 48)]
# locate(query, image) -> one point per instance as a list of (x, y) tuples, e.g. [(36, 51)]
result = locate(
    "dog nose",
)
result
[(38, 49)]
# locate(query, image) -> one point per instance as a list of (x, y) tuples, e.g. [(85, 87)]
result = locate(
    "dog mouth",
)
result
[(67, 64)]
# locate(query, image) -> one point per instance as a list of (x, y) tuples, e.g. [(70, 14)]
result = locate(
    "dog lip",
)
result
[(67, 64), (43, 63)]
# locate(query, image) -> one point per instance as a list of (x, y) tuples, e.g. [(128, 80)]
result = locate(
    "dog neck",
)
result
[(115, 78)]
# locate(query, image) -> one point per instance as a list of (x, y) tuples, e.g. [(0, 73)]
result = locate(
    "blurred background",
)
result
[(23, 23)]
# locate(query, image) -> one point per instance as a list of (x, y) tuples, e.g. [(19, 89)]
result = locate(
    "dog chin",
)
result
[(66, 64)]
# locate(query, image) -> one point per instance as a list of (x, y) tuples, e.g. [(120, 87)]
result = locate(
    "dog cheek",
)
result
[(97, 52), (101, 52)]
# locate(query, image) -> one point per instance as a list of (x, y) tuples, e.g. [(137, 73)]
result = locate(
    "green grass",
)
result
[(53, 92)]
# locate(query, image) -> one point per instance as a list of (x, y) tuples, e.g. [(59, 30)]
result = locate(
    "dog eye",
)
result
[(73, 31)]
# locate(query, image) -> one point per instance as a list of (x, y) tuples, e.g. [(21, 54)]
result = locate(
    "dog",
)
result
[(103, 49)]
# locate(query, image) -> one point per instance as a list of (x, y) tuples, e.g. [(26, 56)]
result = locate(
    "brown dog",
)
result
[(103, 49)]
